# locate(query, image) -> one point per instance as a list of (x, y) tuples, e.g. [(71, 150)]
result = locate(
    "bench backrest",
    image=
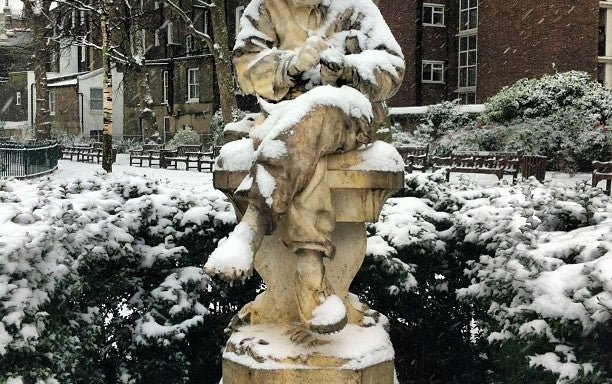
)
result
[(182, 149), (151, 147), (602, 166)]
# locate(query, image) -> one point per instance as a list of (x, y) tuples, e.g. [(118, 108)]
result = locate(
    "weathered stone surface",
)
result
[(234, 373)]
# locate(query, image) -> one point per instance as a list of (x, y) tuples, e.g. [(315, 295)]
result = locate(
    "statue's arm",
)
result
[(375, 64), (376, 73), (261, 69)]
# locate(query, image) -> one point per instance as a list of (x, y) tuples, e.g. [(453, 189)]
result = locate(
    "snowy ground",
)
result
[(68, 170)]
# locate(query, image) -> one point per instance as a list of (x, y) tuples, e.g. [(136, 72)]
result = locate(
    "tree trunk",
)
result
[(227, 99), (107, 90), (42, 125)]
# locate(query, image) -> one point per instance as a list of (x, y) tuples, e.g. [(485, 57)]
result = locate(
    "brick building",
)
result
[(470, 49)]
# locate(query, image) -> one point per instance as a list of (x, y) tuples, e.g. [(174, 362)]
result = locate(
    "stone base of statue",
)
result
[(268, 343)]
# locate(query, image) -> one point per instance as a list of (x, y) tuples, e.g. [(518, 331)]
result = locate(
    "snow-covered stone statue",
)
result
[(322, 70)]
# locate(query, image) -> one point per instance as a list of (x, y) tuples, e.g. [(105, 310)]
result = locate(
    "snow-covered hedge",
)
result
[(100, 280), (529, 98), (504, 284)]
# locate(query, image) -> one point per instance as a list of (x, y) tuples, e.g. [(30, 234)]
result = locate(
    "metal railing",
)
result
[(28, 160)]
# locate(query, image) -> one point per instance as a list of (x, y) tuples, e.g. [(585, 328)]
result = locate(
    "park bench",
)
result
[(145, 154), (182, 154), (602, 170), (493, 163), (415, 157), (206, 160)]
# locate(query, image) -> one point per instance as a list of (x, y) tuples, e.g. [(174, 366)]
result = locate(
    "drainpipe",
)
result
[(32, 109), (81, 114)]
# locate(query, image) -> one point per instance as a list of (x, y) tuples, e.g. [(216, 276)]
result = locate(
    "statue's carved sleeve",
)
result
[(376, 67), (261, 68)]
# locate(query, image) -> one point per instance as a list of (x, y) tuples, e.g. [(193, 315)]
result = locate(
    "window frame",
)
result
[(467, 66), (470, 7), (189, 44), (433, 63), (433, 6), (238, 15), (165, 87), (92, 99), (169, 33), (52, 103), (191, 98)]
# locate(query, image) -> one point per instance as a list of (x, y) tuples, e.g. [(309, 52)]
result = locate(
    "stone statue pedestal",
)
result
[(260, 350)]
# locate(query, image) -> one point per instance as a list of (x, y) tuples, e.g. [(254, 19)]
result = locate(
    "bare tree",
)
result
[(38, 12), (219, 48)]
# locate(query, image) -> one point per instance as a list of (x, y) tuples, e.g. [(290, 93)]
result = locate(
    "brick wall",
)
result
[(8, 96), (516, 39), (402, 19), (523, 38), (66, 118)]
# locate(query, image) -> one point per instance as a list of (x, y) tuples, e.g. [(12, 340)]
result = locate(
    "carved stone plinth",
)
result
[(260, 349), (235, 373)]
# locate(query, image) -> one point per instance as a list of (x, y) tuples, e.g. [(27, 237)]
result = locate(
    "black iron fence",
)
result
[(28, 160)]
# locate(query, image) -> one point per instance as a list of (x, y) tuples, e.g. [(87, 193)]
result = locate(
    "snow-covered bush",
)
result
[(439, 120), (507, 284), (570, 139), (185, 136), (529, 98), (546, 281), (100, 281)]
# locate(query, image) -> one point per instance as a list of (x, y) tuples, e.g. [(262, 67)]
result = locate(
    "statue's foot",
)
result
[(329, 316), (233, 259), (320, 309), (303, 336)]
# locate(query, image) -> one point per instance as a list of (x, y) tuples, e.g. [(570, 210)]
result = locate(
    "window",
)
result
[(205, 21), (166, 127), (156, 5), (188, 44), (433, 15), (432, 71), (467, 97), (96, 98), (165, 88), (467, 61), (143, 36), (468, 15), (52, 103), (18, 98), (193, 84), (239, 12), (170, 34), (83, 52)]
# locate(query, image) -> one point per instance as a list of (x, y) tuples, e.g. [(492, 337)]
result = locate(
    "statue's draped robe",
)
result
[(286, 178)]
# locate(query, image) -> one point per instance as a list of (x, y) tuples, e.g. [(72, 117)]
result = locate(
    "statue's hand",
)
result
[(308, 56), (332, 66)]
